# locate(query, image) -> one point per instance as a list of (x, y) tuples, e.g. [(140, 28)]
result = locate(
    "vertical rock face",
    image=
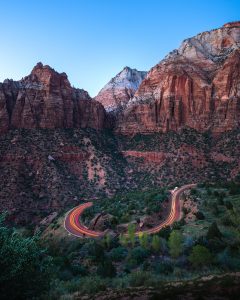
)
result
[(45, 99), (120, 89), (8, 95), (88, 112), (196, 86)]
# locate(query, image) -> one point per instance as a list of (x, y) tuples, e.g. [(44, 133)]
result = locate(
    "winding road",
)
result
[(73, 226)]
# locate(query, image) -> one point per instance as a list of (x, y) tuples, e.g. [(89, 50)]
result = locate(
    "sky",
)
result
[(93, 40)]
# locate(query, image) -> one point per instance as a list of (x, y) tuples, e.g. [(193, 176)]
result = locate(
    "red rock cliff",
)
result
[(196, 86), (45, 99)]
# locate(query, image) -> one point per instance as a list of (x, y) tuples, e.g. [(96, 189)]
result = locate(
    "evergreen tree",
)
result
[(131, 233), (26, 269), (123, 240), (156, 243), (143, 240), (175, 243), (107, 241)]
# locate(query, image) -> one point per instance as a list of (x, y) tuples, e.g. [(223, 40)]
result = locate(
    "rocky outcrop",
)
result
[(196, 86), (183, 153), (156, 157), (45, 99), (120, 89)]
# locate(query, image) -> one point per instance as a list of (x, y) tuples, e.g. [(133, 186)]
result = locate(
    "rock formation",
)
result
[(196, 86), (120, 89), (45, 171), (45, 99)]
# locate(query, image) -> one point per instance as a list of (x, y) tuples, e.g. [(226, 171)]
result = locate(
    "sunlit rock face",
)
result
[(196, 86), (120, 89), (45, 99)]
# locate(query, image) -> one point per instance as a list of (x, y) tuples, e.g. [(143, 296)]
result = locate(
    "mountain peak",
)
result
[(127, 68), (39, 67), (46, 75), (121, 88)]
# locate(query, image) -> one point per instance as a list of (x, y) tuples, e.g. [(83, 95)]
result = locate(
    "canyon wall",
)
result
[(196, 86), (45, 99)]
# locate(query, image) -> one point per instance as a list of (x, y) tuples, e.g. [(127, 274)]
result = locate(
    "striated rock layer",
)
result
[(196, 86), (45, 99), (120, 89)]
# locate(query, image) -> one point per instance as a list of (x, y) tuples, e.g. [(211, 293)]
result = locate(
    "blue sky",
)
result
[(92, 40)]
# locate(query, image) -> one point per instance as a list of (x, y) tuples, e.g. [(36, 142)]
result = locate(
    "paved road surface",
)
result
[(72, 221)]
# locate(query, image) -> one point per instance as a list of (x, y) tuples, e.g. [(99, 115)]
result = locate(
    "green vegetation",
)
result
[(127, 207), (194, 247), (200, 256), (175, 243), (208, 243), (26, 269)]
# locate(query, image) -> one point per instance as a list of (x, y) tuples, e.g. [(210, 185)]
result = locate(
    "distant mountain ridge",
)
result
[(196, 86)]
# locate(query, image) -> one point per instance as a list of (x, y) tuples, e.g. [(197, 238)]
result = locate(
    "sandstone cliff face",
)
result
[(45, 99), (120, 89), (196, 86)]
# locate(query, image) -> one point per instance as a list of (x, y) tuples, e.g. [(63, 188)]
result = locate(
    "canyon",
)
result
[(179, 122)]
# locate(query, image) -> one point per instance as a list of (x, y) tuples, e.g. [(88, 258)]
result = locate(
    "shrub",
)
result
[(120, 282), (106, 269), (92, 285), (140, 278), (118, 254), (139, 254), (200, 256), (65, 275), (163, 267), (165, 232), (78, 269), (227, 221), (227, 261), (94, 250)]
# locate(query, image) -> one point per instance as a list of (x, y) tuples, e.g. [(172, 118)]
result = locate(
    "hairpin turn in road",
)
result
[(73, 225)]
